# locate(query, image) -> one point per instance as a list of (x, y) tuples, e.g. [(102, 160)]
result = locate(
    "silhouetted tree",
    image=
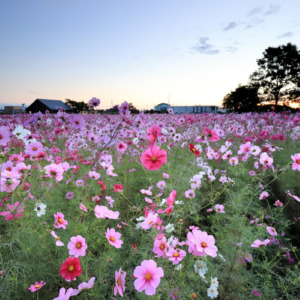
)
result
[(243, 99), (77, 106), (278, 72), (133, 109)]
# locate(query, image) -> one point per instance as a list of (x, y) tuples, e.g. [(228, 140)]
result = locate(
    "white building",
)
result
[(196, 109)]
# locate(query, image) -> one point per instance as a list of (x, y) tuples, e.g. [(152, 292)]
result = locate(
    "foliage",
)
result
[(278, 72), (77, 106), (243, 99)]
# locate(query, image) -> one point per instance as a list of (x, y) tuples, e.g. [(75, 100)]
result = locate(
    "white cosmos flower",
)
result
[(40, 209)]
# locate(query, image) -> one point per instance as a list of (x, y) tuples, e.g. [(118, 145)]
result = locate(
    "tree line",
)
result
[(276, 82)]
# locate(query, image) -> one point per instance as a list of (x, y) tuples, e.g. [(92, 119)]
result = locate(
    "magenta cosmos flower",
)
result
[(13, 211), (77, 246), (153, 158), (113, 237), (35, 287), (147, 277), (200, 243), (120, 282)]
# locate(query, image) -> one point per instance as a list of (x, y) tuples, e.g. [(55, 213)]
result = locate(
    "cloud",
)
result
[(231, 49), (231, 25), (254, 22), (286, 35), (254, 11), (273, 9), (205, 48)]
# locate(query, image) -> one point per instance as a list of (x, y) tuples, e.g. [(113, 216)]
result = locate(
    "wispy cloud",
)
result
[(273, 9), (231, 25), (254, 22), (205, 48), (231, 49), (254, 11), (286, 35)]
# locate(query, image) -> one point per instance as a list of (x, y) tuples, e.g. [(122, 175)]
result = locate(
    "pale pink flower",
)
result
[(200, 243), (271, 231), (190, 194), (149, 221), (160, 246), (121, 147), (57, 238), (233, 161), (4, 135), (296, 159), (94, 175), (77, 246), (220, 208), (54, 170), (59, 221), (120, 282), (82, 207), (265, 160), (278, 203), (263, 195), (102, 212), (84, 286), (113, 237), (64, 294), (147, 277), (258, 243), (165, 175), (176, 255), (34, 148), (37, 286)]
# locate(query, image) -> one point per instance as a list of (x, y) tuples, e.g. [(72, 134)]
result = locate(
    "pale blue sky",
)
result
[(144, 52)]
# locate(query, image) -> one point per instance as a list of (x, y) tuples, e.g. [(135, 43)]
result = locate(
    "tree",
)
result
[(77, 106), (278, 72), (243, 99)]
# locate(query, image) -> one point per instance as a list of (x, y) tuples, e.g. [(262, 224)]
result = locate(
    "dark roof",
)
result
[(54, 104), (163, 104)]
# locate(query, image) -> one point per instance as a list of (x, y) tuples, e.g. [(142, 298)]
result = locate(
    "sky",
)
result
[(185, 52)]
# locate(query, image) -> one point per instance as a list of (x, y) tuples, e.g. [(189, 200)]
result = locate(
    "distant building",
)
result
[(162, 107), (52, 106), (196, 109), (13, 110)]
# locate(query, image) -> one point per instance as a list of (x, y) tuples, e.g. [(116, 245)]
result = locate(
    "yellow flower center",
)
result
[(78, 245), (148, 276), (154, 158), (176, 254), (71, 268), (37, 286), (118, 282), (112, 239), (162, 246), (60, 220), (203, 245)]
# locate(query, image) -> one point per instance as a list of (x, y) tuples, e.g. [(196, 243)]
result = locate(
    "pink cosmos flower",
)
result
[(120, 282), (149, 221), (69, 195), (118, 188), (58, 241), (59, 221), (148, 277), (64, 295), (94, 175), (170, 201), (153, 133), (200, 243), (54, 170), (296, 159), (4, 135), (94, 102), (256, 293), (190, 194), (258, 243), (220, 208), (113, 237), (37, 286), (294, 196), (278, 203), (82, 207), (77, 246), (153, 158), (211, 134), (263, 195), (83, 286), (121, 147), (13, 211), (265, 160), (160, 246), (102, 212), (34, 148), (165, 175), (271, 231), (176, 255)]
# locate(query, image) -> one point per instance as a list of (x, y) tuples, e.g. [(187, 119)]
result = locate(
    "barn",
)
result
[(52, 106)]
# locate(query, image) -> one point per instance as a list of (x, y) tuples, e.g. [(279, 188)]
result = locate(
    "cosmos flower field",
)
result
[(157, 206)]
